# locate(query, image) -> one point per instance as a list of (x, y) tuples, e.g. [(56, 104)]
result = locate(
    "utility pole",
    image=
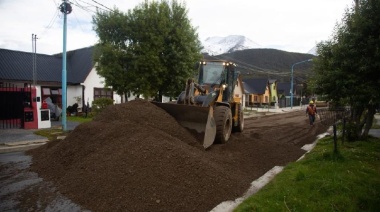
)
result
[(291, 83), (65, 8), (34, 58)]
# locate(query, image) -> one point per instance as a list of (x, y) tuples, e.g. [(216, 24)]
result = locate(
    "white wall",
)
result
[(238, 90), (74, 91), (92, 81)]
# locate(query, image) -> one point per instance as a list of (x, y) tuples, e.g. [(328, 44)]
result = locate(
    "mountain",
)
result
[(231, 43), (254, 61), (268, 63)]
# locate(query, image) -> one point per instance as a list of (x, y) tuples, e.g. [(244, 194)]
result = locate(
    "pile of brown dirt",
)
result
[(136, 157)]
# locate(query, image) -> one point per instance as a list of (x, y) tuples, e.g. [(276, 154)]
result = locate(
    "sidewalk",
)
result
[(14, 140), (256, 112), (376, 132)]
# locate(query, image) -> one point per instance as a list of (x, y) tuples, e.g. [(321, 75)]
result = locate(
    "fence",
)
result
[(286, 102), (331, 116), (13, 100)]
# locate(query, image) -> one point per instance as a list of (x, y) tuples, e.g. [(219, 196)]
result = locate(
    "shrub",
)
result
[(99, 104), (73, 108)]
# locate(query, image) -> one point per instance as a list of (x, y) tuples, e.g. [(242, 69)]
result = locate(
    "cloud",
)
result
[(294, 25)]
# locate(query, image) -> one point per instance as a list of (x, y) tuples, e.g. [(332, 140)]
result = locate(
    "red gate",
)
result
[(13, 101)]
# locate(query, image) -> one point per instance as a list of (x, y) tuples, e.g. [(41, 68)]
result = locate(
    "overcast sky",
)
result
[(290, 25)]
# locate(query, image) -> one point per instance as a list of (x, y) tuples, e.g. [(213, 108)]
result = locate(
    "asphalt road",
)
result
[(16, 178)]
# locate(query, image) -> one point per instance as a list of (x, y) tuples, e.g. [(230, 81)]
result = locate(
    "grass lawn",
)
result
[(52, 133), (80, 119), (324, 181)]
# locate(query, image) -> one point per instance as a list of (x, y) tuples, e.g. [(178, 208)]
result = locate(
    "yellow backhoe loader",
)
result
[(212, 106)]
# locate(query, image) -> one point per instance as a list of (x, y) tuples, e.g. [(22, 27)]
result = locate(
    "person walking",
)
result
[(311, 111)]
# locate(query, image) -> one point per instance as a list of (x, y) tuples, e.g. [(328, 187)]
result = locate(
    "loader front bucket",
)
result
[(200, 119)]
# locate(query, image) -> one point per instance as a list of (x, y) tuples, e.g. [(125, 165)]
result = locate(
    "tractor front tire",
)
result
[(223, 120)]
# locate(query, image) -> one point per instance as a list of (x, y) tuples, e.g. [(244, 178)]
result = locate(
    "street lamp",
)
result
[(291, 83)]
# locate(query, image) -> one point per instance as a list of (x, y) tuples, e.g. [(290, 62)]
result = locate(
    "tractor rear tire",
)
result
[(223, 120), (240, 126)]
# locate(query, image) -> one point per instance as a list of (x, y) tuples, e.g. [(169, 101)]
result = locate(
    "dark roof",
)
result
[(17, 66), (255, 86), (283, 88)]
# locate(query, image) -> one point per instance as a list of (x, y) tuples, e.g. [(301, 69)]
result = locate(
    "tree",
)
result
[(110, 55), (348, 66), (150, 50)]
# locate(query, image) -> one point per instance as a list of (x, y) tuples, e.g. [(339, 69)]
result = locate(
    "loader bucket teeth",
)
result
[(199, 120)]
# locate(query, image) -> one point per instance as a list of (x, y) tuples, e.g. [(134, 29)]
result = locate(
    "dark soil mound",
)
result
[(136, 157)]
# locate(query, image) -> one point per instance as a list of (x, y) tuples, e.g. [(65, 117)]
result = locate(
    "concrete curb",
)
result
[(18, 148), (21, 145), (229, 206)]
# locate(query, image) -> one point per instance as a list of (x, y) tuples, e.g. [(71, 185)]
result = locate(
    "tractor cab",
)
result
[(214, 75)]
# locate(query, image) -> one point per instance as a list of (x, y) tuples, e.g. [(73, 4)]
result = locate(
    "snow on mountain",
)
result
[(231, 43), (313, 51)]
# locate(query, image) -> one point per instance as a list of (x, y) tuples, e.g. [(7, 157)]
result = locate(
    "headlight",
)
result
[(224, 86)]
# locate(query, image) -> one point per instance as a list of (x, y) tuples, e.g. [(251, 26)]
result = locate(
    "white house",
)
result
[(83, 83)]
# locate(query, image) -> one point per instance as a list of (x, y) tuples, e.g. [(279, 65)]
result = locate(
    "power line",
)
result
[(83, 7), (88, 7), (246, 64), (51, 23), (103, 5), (87, 3), (79, 24), (251, 67), (52, 20)]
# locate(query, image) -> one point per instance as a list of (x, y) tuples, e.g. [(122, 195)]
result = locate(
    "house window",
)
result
[(266, 99), (46, 91), (103, 93), (255, 98), (54, 92), (249, 99)]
